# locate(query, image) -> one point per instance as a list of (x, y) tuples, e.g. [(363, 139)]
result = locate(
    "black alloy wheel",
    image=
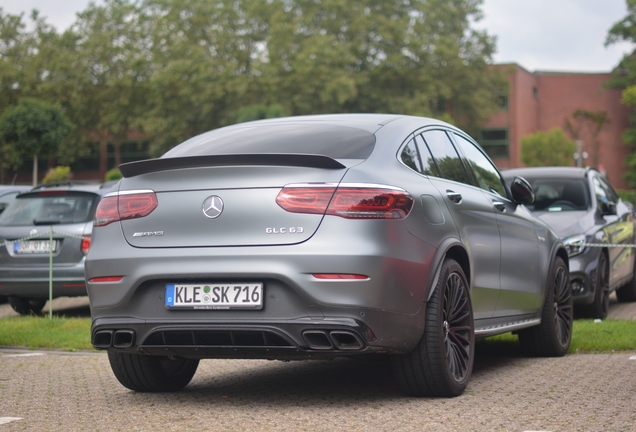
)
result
[(25, 306), (552, 337), (600, 307), (627, 293), (442, 362), (457, 327)]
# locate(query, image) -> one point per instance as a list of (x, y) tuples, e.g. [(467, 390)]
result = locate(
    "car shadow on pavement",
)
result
[(311, 382), (300, 380)]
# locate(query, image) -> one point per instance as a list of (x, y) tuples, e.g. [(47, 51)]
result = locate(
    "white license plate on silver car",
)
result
[(34, 247), (224, 295)]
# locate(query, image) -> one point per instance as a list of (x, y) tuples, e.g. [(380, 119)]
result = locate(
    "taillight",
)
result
[(86, 244), (124, 205), (305, 199), (347, 201)]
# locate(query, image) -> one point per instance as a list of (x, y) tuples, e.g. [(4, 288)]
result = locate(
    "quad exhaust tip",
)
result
[(325, 340), (105, 339)]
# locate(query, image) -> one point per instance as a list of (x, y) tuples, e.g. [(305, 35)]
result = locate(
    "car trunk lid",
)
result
[(220, 206)]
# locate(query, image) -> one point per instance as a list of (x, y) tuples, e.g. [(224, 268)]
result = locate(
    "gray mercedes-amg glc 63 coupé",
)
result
[(318, 237)]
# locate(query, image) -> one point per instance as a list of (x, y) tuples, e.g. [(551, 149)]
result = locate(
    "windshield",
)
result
[(33, 209), (559, 195)]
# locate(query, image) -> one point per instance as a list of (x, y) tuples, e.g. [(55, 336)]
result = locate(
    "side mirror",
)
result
[(522, 192), (608, 208), (2, 207)]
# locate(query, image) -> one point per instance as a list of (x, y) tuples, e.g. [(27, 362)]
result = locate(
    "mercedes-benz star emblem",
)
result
[(212, 207)]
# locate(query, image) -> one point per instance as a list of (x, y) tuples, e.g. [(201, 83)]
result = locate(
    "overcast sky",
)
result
[(562, 35)]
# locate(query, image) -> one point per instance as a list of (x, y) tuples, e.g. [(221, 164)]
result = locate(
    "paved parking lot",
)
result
[(77, 391)]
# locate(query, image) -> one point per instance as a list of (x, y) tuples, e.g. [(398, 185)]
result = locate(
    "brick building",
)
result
[(540, 101)]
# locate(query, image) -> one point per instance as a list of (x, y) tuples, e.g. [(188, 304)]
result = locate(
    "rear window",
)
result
[(559, 195), (336, 142), (47, 209)]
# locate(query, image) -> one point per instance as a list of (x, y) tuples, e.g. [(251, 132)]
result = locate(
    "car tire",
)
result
[(25, 306), (627, 293), (600, 307), (143, 373), (442, 362), (552, 337)]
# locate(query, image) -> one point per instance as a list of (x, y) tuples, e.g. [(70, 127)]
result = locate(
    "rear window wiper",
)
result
[(46, 222)]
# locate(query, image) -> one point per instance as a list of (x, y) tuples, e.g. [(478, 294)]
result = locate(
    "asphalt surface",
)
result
[(508, 392)]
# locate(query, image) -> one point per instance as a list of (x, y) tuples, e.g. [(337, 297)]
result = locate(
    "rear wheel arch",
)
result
[(450, 248), (562, 253)]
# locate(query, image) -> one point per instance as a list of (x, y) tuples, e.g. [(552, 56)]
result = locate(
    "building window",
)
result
[(535, 92), (502, 102), (494, 142)]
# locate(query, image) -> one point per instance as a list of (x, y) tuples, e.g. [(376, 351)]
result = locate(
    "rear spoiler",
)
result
[(132, 169)]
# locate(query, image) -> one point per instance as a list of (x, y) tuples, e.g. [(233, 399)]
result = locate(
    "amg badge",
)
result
[(148, 234)]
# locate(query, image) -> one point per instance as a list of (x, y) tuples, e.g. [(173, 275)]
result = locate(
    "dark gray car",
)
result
[(25, 239), (582, 207), (317, 237)]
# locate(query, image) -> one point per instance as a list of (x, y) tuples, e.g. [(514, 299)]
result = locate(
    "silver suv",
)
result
[(25, 226)]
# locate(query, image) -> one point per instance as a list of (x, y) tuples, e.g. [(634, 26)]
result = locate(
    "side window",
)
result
[(410, 157), (609, 190), (446, 158), (428, 164), (603, 192), (485, 173)]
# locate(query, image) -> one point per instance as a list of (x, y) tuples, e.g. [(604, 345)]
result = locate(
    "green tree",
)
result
[(112, 56), (210, 59), (552, 148), (259, 112), (37, 62), (35, 129), (624, 77), (172, 69)]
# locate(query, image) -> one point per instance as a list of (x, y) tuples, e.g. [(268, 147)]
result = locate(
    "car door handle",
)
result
[(454, 196), (499, 206)]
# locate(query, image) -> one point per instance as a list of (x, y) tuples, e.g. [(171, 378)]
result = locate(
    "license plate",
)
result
[(230, 295), (33, 247)]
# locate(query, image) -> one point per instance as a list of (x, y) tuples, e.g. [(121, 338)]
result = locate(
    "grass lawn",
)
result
[(588, 337), (68, 334)]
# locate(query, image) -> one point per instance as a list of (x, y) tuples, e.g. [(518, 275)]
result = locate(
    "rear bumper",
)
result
[(383, 313), (29, 282), (303, 338)]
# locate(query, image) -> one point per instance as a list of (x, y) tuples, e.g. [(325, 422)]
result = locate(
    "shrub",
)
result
[(58, 174), (628, 195), (113, 174), (552, 148)]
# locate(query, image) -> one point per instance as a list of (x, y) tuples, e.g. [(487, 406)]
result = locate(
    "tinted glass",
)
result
[(557, 195), (604, 193), (337, 142), (428, 164), (448, 162), (609, 190), (7, 199), (56, 209), (410, 157), (484, 172)]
